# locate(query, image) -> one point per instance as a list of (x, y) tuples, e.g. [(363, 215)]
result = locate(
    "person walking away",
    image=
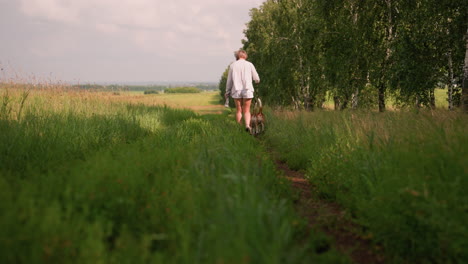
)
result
[(239, 83)]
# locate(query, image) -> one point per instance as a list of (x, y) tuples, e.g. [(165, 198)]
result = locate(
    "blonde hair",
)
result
[(242, 54)]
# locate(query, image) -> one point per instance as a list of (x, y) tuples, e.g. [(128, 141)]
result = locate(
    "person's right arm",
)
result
[(255, 76)]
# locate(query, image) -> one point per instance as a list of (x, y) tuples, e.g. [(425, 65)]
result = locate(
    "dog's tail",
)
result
[(259, 105)]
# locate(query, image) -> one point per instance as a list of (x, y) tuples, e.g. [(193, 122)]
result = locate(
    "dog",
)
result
[(257, 120)]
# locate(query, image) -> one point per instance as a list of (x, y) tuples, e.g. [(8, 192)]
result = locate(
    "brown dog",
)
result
[(257, 120)]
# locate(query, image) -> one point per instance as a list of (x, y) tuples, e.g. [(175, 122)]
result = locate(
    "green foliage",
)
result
[(368, 97), (402, 174), (150, 92), (304, 49), (207, 87), (182, 90), (222, 83), (142, 184), (287, 60), (222, 88)]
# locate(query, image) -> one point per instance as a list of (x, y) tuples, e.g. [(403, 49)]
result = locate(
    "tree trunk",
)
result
[(345, 102), (309, 102), (382, 98), (390, 33), (295, 103), (336, 100), (432, 103), (451, 82), (355, 99), (464, 98), (320, 99)]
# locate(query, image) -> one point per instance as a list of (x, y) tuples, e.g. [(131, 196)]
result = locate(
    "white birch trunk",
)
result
[(465, 78), (355, 99), (451, 82)]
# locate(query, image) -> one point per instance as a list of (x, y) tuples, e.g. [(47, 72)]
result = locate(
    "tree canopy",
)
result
[(357, 52)]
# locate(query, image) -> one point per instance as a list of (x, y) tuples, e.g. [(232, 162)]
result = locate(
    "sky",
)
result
[(116, 41)]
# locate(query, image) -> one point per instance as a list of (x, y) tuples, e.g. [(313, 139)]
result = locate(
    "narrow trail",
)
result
[(330, 218)]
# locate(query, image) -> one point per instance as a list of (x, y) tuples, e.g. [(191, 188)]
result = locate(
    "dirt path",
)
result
[(331, 219)]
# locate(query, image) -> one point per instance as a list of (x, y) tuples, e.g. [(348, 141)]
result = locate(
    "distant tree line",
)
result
[(116, 87), (183, 90), (157, 88), (359, 51)]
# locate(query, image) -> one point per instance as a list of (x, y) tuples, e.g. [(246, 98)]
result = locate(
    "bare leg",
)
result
[(246, 110), (238, 110)]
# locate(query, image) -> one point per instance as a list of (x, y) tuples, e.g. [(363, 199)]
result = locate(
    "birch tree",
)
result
[(306, 48), (465, 78)]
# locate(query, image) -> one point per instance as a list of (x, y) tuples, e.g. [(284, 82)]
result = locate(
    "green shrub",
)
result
[(183, 90), (150, 92)]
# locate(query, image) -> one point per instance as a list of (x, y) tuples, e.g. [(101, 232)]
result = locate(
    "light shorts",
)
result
[(247, 94)]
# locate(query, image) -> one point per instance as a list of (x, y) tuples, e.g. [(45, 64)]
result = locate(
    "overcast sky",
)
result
[(121, 40)]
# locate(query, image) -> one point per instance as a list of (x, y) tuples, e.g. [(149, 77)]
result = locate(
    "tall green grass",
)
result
[(83, 180), (402, 175)]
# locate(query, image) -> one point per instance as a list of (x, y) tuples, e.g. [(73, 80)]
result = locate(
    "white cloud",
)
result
[(173, 29), (204, 17)]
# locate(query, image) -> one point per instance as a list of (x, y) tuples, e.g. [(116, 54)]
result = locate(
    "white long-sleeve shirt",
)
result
[(241, 74)]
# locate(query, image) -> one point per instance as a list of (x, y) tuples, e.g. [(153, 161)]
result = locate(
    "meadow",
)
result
[(402, 175), (202, 103), (94, 177)]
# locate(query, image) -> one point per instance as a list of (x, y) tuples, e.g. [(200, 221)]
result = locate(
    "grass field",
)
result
[(91, 178), (132, 178), (402, 175), (202, 103)]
